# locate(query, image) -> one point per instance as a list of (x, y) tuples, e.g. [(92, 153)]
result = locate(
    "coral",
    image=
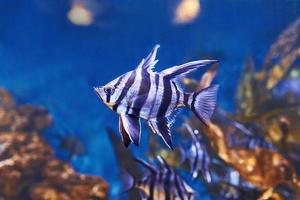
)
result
[(28, 167), (21, 118)]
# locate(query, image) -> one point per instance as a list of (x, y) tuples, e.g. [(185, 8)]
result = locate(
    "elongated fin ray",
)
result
[(183, 69), (132, 127), (161, 126), (150, 61)]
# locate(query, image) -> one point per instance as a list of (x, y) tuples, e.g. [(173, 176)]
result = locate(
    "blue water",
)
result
[(46, 60)]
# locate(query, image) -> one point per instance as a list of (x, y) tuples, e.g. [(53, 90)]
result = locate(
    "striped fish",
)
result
[(243, 137), (160, 183), (198, 155), (143, 93)]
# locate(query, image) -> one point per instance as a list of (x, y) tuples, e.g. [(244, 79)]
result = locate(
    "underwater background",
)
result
[(49, 58)]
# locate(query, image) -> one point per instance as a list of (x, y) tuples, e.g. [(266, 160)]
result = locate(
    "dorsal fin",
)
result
[(185, 68), (150, 61)]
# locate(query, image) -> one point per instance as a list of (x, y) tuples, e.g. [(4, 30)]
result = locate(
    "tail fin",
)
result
[(203, 103), (128, 181)]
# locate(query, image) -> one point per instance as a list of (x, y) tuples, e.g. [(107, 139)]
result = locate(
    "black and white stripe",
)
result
[(164, 183), (115, 85), (143, 93), (198, 155), (243, 137), (144, 86), (166, 98), (158, 96), (127, 85), (147, 108)]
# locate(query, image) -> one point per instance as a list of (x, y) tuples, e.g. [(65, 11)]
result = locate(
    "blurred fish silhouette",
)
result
[(73, 145), (124, 159), (226, 191), (198, 155), (242, 137), (143, 93), (162, 183), (124, 156), (70, 143)]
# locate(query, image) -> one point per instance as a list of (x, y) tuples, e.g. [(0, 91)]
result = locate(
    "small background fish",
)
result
[(159, 183), (70, 144), (199, 155)]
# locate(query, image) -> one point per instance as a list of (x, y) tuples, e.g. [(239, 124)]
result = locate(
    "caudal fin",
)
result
[(203, 103)]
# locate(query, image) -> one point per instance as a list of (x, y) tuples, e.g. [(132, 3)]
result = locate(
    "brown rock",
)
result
[(6, 99), (32, 118), (21, 162), (21, 118), (24, 118), (28, 168)]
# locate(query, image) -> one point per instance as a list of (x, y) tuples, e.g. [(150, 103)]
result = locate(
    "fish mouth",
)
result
[(110, 105), (96, 90)]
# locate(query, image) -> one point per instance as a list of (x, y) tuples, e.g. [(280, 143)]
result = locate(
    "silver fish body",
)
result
[(143, 93)]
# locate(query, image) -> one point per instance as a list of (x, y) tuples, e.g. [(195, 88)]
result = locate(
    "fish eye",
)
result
[(109, 90)]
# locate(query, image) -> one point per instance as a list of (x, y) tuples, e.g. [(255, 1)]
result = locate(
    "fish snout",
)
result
[(99, 92)]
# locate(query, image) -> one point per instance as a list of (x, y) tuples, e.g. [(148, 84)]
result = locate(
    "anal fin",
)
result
[(161, 126)]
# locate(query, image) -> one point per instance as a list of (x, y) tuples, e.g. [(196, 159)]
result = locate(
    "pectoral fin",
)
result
[(162, 128), (131, 127)]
